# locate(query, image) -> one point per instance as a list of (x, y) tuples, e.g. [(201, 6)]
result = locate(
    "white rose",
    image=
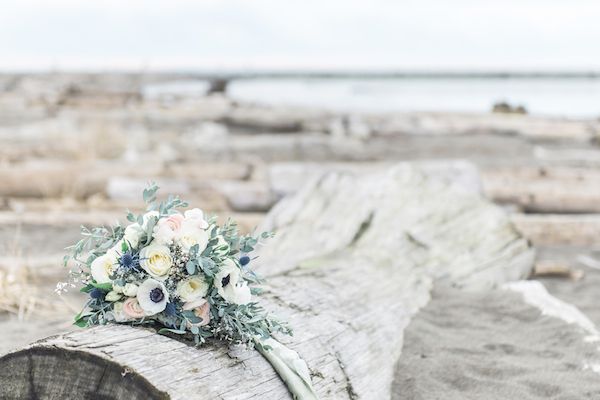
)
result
[(156, 260), (152, 296), (103, 267), (192, 288), (230, 285), (197, 216), (163, 233), (130, 289), (189, 235), (112, 296), (147, 216), (132, 235)]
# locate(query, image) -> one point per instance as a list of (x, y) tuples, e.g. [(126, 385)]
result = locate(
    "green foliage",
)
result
[(240, 323)]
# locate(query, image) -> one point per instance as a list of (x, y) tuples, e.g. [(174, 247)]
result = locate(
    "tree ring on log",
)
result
[(32, 374)]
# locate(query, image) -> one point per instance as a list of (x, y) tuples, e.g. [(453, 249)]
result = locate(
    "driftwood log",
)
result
[(544, 189), (353, 260)]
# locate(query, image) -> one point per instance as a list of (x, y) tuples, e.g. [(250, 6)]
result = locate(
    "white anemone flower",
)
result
[(230, 285), (152, 296)]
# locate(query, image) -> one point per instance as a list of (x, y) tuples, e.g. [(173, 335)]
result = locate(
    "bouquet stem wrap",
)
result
[(290, 367)]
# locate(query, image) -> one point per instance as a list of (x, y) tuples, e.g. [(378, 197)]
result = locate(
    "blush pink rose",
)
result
[(201, 309), (174, 222), (203, 312), (132, 308)]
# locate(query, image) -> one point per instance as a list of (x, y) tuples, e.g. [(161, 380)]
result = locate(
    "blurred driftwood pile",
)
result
[(77, 149)]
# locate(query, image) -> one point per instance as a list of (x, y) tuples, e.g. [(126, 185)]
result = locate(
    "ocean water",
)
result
[(566, 97)]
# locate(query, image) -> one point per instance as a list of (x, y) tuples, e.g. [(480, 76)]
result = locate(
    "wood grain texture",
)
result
[(353, 260)]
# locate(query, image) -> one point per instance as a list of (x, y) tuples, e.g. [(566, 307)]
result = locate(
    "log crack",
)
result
[(32, 391), (364, 226), (352, 395)]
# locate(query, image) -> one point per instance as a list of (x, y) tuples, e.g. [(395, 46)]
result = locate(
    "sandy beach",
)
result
[(493, 346)]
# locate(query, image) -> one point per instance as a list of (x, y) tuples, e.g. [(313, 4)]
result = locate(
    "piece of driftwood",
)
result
[(353, 260), (559, 229), (545, 189)]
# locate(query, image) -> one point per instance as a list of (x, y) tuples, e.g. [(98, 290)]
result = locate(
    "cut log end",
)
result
[(32, 374)]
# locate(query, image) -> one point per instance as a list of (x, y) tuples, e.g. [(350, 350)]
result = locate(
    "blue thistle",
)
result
[(170, 309), (244, 260), (129, 260), (97, 294)]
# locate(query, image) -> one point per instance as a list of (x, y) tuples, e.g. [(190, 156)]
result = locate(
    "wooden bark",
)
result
[(353, 260)]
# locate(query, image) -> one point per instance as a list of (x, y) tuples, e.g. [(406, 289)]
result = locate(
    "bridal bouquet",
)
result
[(178, 271)]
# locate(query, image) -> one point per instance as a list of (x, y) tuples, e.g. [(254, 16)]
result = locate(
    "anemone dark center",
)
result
[(225, 281), (157, 295)]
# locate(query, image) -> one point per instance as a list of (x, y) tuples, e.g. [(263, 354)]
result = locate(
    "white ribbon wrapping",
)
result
[(290, 367)]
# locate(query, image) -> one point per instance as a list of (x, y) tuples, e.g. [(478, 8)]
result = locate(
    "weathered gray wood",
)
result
[(545, 189), (353, 260), (559, 229), (54, 373)]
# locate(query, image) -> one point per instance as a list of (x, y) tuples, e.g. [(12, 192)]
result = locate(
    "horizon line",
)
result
[(325, 73)]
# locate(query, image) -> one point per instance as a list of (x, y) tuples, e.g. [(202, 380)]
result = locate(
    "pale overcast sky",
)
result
[(346, 34)]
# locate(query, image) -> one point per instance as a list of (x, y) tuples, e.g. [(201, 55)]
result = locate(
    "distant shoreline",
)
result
[(324, 74)]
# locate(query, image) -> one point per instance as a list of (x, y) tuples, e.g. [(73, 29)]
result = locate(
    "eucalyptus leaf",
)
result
[(80, 323), (106, 287), (190, 266)]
